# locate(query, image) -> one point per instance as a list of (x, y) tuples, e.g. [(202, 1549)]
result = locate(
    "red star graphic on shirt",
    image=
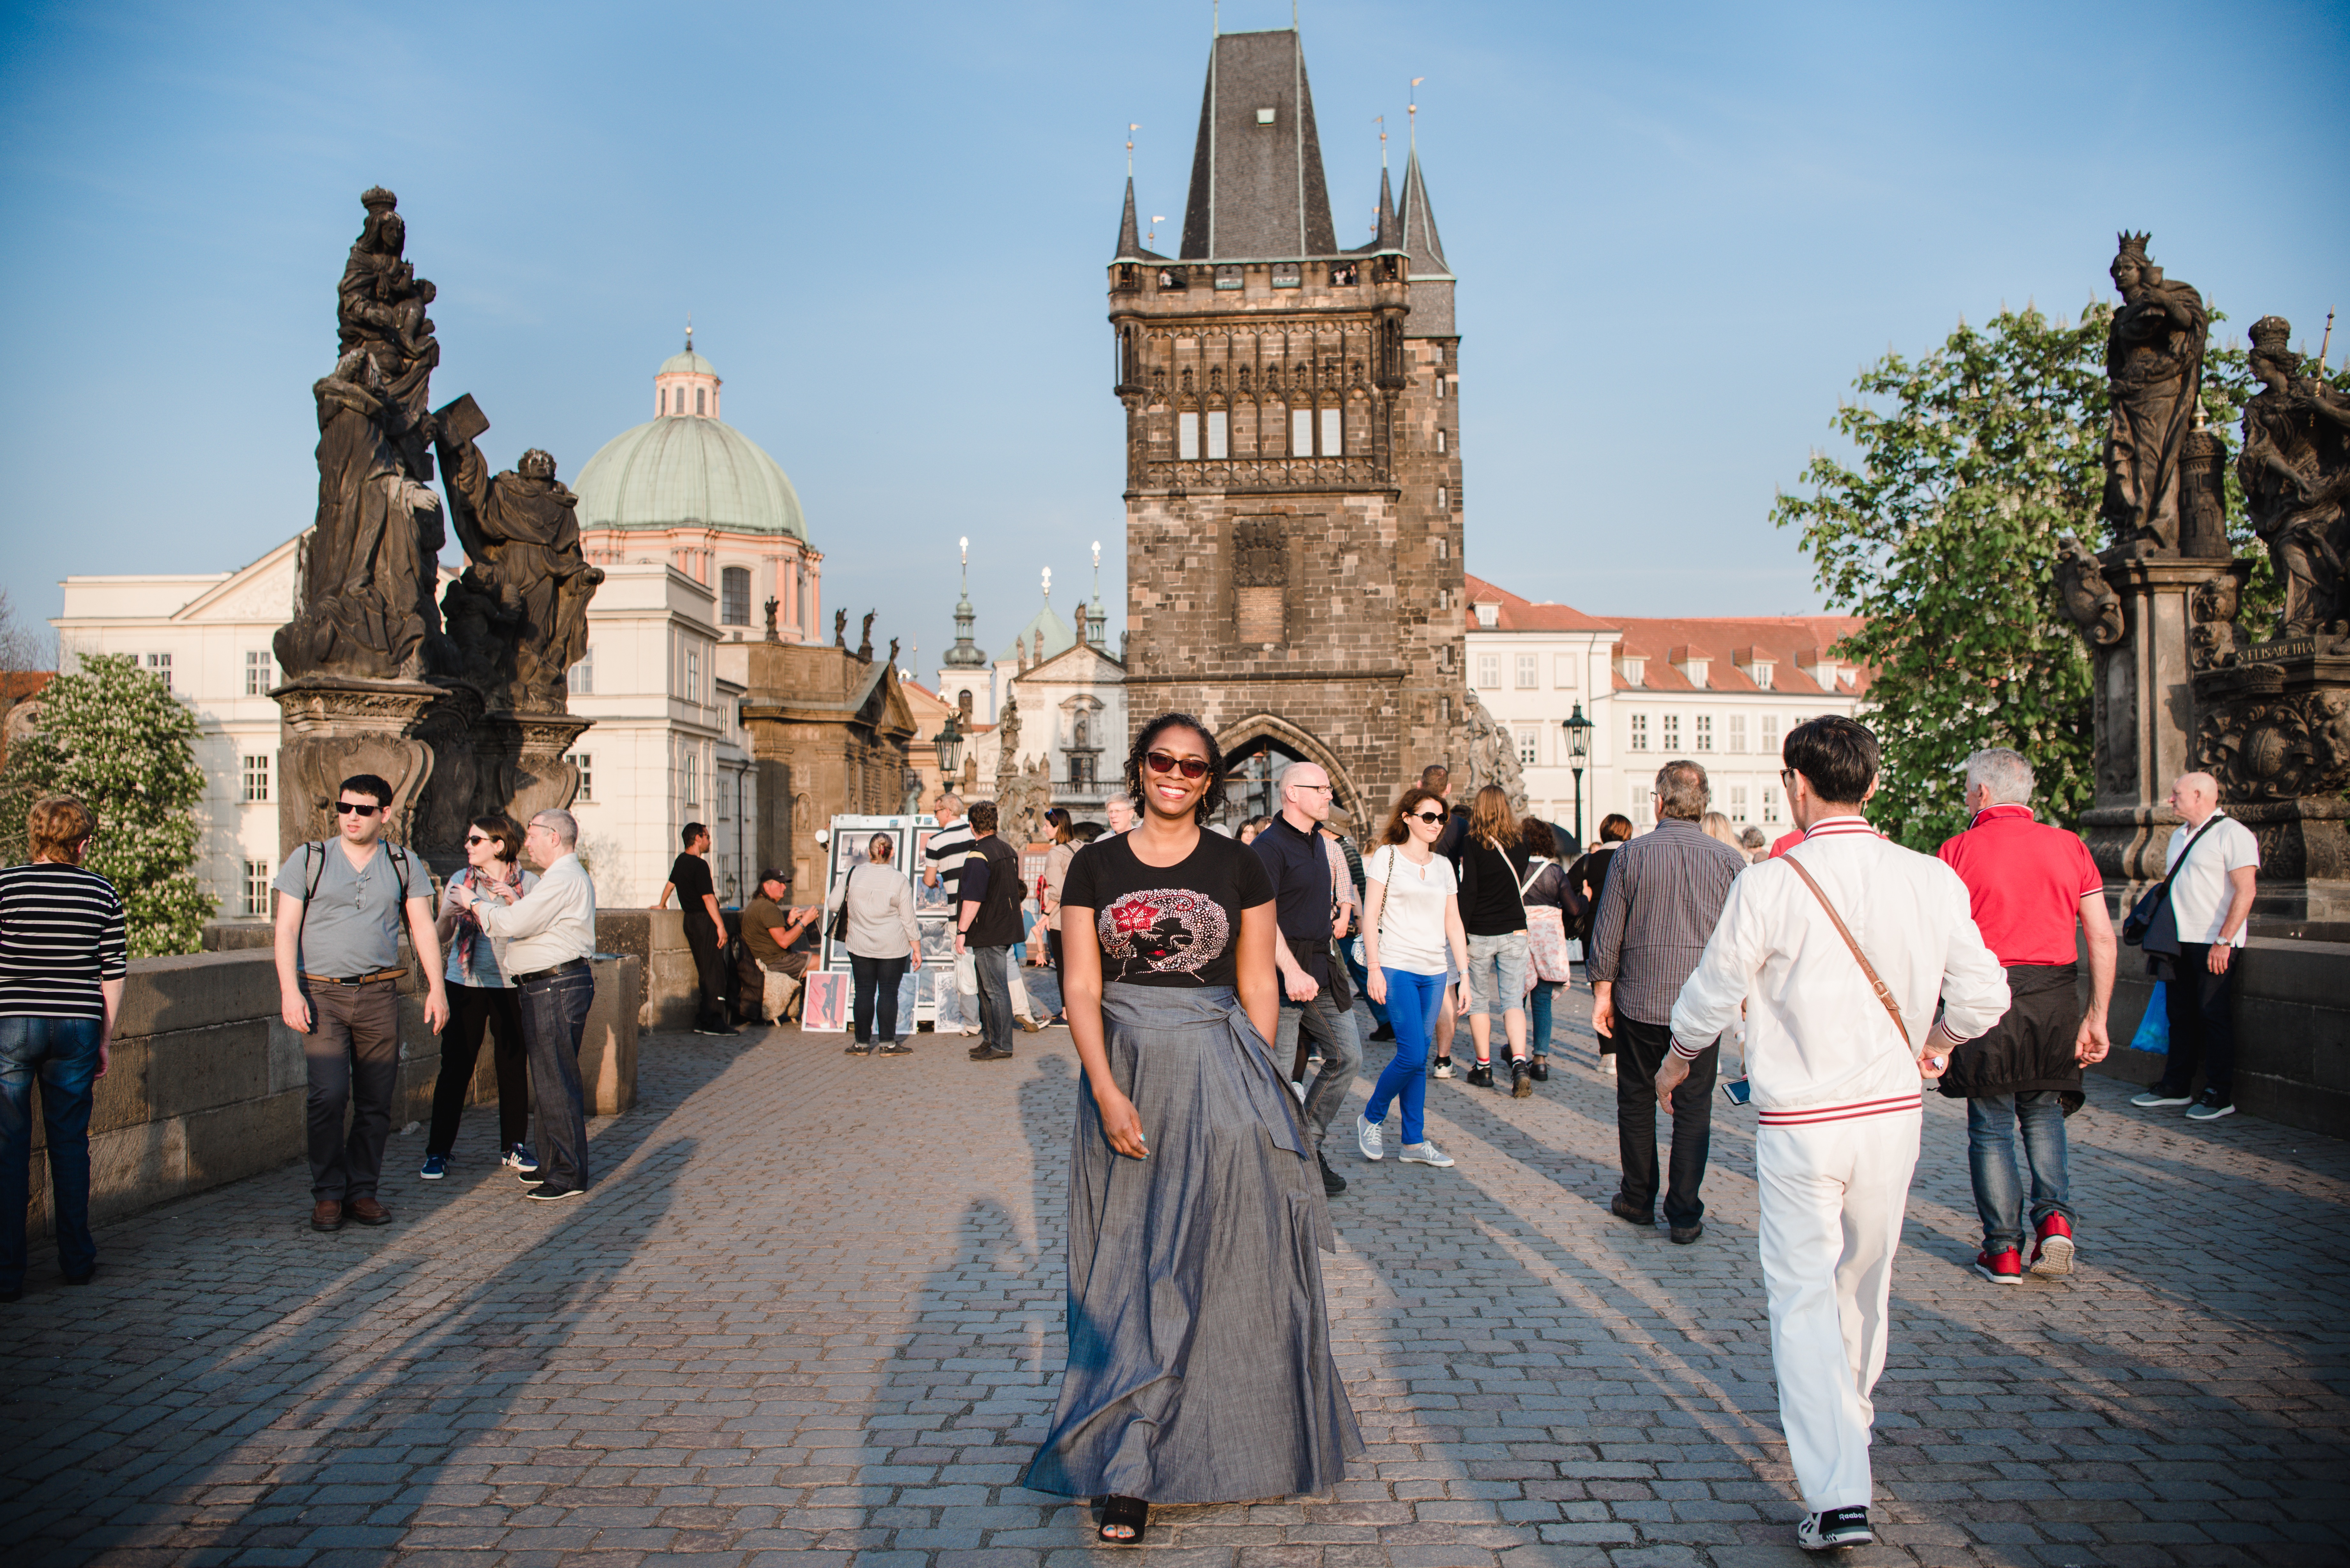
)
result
[(1132, 917)]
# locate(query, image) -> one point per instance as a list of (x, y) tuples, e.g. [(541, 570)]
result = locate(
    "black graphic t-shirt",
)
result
[(1170, 925)]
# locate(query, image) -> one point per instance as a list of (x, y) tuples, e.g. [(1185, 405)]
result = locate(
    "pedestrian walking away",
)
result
[(705, 927), (545, 938), (2028, 886), (950, 849), (482, 1001), (2212, 868), (1200, 1368), (1544, 893), (987, 926), (1493, 866), (1586, 883), (341, 905), (1411, 926), (1837, 951), (1309, 915), (883, 939), (62, 964), (1665, 892)]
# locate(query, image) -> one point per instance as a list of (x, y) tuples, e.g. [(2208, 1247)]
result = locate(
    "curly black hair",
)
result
[(1213, 801)]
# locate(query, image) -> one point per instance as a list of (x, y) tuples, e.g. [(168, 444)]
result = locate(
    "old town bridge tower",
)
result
[(1292, 490)]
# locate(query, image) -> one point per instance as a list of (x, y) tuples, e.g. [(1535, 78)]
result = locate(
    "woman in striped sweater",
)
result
[(61, 968)]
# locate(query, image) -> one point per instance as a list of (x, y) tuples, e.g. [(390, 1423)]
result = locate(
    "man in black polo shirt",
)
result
[(1307, 917), (706, 927), (987, 924)]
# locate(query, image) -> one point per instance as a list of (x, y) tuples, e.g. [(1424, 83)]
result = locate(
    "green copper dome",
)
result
[(683, 471), (688, 363)]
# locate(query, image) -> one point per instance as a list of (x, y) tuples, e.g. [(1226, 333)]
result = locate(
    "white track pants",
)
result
[(967, 985), (1832, 1199)]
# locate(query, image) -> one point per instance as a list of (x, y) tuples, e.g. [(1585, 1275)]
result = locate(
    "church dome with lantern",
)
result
[(687, 468)]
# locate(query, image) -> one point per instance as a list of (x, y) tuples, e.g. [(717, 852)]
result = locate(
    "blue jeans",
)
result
[(554, 1022), (990, 965), (1991, 1160), (63, 1054), (1538, 1003), (1412, 1000)]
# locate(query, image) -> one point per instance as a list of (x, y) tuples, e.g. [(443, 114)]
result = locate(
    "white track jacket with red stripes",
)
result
[(1820, 1047)]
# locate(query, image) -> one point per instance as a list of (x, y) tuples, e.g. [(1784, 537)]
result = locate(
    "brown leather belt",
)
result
[(379, 975)]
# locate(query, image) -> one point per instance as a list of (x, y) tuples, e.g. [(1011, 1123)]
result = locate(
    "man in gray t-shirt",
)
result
[(340, 906)]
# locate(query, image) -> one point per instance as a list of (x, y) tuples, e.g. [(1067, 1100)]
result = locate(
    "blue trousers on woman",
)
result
[(63, 1054), (1412, 1000)]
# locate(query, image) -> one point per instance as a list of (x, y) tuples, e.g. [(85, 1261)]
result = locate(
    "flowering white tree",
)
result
[(114, 738)]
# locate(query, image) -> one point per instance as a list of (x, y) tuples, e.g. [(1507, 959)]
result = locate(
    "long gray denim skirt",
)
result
[(1199, 1367)]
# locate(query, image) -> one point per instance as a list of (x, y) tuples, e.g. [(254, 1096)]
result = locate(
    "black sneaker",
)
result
[(1522, 1079), (2210, 1107), (1383, 1033), (1332, 1183), (859, 1048), (547, 1192), (988, 1054), (1540, 1070), (1481, 1076), (1835, 1528), (721, 1030)]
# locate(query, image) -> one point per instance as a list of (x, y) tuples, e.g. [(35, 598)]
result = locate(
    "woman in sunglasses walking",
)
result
[(480, 997), (1199, 1367), (1411, 919)]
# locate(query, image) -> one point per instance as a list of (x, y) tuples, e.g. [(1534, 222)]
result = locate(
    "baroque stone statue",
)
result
[(2153, 360), (518, 616), (2295, 472), (2089, 599), (365, 603)]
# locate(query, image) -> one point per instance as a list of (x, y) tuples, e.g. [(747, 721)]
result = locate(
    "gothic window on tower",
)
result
[(1443, 550), (1343, 276), (1228, 277), (1187, 434), (1334, 433), (1444, 499), (1288, 275), (1439, 438), (734, 596), (1219, 435), (1300, 432)]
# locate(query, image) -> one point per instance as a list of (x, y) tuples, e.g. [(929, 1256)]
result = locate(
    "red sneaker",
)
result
[(2001, 1268), (2052, 1253)]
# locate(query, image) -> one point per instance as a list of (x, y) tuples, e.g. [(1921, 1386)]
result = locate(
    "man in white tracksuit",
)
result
[(1837, 1086)]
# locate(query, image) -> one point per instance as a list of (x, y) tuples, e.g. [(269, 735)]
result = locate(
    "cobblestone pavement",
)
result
[(811, 1316)]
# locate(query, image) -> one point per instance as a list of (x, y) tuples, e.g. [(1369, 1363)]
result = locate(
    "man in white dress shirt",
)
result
[(1836, 1084), (544, 939)]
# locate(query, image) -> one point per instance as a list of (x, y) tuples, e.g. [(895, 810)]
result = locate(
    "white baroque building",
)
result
[(1721, 692)]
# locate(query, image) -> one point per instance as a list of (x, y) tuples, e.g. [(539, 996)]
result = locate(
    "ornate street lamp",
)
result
[(1578, 747), (950, 749)]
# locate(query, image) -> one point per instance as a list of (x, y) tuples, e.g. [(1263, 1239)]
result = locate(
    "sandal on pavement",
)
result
[(1131, 1514)]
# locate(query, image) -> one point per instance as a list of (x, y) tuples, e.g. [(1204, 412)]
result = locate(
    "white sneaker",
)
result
[(1424, 1154), (1608, 1066), (1444, 1067), (1370, 1137)]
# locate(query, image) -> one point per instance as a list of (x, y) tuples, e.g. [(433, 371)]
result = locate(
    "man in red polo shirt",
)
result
[(2031, 885)]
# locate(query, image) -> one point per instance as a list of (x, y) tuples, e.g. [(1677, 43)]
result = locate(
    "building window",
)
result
[(259, 671), (1528, 746), (1489, 671), (1529, 671), (1770, 734), (256, 888), (1640, 732), (583, 674), (1187, 435), (1444, 499), (1439, 387), (257, 778), (587, 766), (734, 596), (1763, 678), (1300, 432), (160, 665), (1643, 804), (1563, 673), (699, 393), (1673, 731), (1738, 803), (690, 767), (1705, 731), (1334, 433), (1738, 732), (1443, 552), (1771, 804), (1219, 435), (1439, 438), (693, 675)]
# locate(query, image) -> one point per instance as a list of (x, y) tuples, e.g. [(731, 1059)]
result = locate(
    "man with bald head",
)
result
[(1307, 917), (2213, 863)]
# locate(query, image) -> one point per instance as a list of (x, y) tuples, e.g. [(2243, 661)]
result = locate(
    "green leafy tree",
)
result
[(1971, 461), (113, 736)]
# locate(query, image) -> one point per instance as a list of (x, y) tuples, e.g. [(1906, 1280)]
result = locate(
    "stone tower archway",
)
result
[(1271, 732)]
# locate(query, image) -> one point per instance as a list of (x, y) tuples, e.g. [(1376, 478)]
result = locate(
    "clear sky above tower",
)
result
[(1677, 234)]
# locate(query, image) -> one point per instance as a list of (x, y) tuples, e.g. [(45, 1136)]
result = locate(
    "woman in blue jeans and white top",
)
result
[(1493, 863), (1412, 917), (62, 960)]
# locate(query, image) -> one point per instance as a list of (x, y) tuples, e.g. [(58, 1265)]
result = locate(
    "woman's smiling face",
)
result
[(1169, 793)]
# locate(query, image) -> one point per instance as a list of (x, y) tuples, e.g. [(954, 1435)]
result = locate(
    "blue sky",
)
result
[(1679, 230)]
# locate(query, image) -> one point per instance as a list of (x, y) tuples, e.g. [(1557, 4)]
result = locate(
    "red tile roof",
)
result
[(1789, 642), (1525, 615)]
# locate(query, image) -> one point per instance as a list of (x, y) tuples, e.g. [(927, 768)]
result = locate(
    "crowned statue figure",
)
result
[(2153, 360)]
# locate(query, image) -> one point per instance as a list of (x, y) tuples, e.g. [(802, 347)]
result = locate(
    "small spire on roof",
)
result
[(689, 332)]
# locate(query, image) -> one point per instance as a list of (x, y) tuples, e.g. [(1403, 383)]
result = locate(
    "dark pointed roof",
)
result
[(1419, 239), (1129, 233), (1390, 231), (1257, 188)]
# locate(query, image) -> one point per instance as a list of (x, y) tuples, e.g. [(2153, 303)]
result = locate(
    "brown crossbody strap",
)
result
[(1884, 992)]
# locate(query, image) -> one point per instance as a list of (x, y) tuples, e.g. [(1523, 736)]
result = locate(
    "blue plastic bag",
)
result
[(2154, 1029)]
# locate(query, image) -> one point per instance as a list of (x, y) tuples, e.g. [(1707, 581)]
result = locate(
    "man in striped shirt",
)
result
[(1836, 1081)]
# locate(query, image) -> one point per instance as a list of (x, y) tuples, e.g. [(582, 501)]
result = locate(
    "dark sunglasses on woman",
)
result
[(1426, 816), (1190, 767)]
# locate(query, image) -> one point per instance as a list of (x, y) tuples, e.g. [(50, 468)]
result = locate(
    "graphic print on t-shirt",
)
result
[(1169, 929)]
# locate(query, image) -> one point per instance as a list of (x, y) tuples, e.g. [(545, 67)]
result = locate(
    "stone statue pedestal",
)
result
[(2273, 726), (2145, 710), (331, 727)]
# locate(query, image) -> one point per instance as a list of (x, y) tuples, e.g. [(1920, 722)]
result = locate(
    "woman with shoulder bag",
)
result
[(1412, 922), (873, 908), (481, 996), (1543, 891), (1492, 862)]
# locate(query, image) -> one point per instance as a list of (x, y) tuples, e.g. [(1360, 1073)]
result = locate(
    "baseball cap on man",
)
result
[(772, 875)]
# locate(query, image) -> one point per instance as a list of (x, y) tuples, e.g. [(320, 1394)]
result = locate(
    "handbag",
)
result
[(2152, 924), (1545, 934), (840, 927)]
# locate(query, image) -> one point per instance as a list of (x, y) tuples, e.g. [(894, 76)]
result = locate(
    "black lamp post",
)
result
[(1578, 747), (950, 749)]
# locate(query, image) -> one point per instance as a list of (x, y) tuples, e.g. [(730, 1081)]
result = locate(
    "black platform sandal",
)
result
[(1130, 1513)]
